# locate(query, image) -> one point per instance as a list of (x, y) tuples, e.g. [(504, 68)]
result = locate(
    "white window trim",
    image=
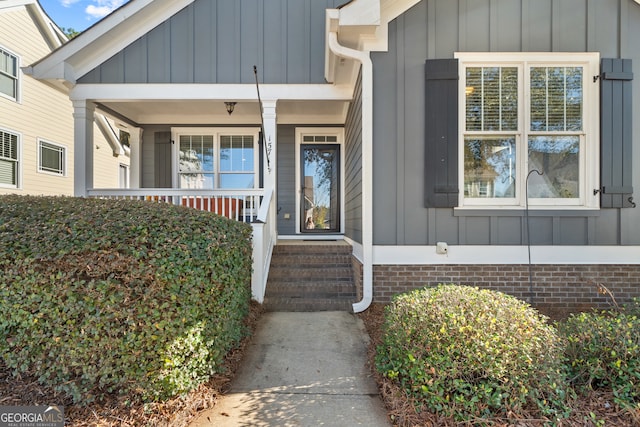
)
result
[(18, 186), (590, 134), (216, 132), (64, 158), (18, 96), (127, 183), (301, 132)]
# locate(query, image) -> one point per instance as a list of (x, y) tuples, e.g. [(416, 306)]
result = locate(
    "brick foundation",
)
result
[(557, 289)]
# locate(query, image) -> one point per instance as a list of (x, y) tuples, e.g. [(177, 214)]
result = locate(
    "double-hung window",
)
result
[(211, 158), (9, 159), (52, 158), (529, 129), (9, 67)]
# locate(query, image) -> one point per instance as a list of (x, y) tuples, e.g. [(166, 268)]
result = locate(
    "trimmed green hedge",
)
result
[(603, 352), (129, 297), (470, 353)]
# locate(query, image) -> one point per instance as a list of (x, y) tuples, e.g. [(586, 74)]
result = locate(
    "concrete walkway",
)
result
[(302, 369)]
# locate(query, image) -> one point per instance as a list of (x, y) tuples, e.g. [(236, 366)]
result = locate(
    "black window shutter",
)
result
[(616, 189), (441, 133)]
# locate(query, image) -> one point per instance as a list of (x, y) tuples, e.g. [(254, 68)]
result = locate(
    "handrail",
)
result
[(264, 206)]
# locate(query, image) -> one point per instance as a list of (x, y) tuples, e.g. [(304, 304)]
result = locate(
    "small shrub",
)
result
[(470, 353), (603, 351), (136, 298)]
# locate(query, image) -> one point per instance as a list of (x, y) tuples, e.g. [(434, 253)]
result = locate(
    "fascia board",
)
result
[(10, 4), (55, 37), (107, 37), (183, 91), (360, 12)]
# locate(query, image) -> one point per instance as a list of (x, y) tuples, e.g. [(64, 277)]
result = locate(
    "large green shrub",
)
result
[(132, 297), (464, 352), (603, 352)]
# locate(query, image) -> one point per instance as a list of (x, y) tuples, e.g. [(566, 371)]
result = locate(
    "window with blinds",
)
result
[(8, 74), (8, 159), (524, 112), (217, 160)]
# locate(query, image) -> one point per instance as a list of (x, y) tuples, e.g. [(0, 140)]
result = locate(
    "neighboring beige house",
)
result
[(36, 120)]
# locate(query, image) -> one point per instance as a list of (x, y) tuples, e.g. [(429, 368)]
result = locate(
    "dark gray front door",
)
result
[(320, 180)]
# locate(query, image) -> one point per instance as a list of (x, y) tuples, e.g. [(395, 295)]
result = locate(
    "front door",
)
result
[(320, 192)]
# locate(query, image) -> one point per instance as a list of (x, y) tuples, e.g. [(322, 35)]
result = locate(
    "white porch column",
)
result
[(83, 112), (270, 137), (271, 147), (135, 144)]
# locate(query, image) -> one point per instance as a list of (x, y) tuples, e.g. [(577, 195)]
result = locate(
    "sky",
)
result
[(79, 14)]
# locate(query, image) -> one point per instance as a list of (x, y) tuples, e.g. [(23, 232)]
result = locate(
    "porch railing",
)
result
[(256, 207), (241, 205)]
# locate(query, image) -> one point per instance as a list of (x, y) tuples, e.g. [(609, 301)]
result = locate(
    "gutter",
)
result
[(367, 164)]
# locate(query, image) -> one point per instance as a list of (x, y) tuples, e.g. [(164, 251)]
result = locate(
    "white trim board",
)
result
[(464, 254)]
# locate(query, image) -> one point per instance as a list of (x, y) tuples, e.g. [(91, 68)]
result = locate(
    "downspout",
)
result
[(367, 165)]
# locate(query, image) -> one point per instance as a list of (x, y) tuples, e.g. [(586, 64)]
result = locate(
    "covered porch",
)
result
[(208, 152)]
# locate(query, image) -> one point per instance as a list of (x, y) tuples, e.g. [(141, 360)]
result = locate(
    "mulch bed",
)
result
[(178, 412)]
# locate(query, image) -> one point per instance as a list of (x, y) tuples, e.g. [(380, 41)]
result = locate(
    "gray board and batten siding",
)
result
[(353, 166), (219, 41), (435, 29)]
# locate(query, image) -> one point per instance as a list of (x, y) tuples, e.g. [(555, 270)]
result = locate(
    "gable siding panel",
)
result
[(219, 41), (249, 28), (158, 58), (135, 61), (228, 52), (205, 59), (182, 39), (273, 47)]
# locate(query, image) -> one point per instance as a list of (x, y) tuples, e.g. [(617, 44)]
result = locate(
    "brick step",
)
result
[(301, 260), (312, 289), (312, 249), (310, 277), (305, 273), (308, 304)]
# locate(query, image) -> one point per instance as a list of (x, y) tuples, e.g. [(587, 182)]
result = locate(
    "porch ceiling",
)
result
[(196, 112)]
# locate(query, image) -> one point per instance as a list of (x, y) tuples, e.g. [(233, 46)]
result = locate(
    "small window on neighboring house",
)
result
[(8, 74), (9, 161), (528, 112), (52, 158)]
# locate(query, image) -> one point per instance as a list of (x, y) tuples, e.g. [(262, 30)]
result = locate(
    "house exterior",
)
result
[(36, 120), (486, 142)]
